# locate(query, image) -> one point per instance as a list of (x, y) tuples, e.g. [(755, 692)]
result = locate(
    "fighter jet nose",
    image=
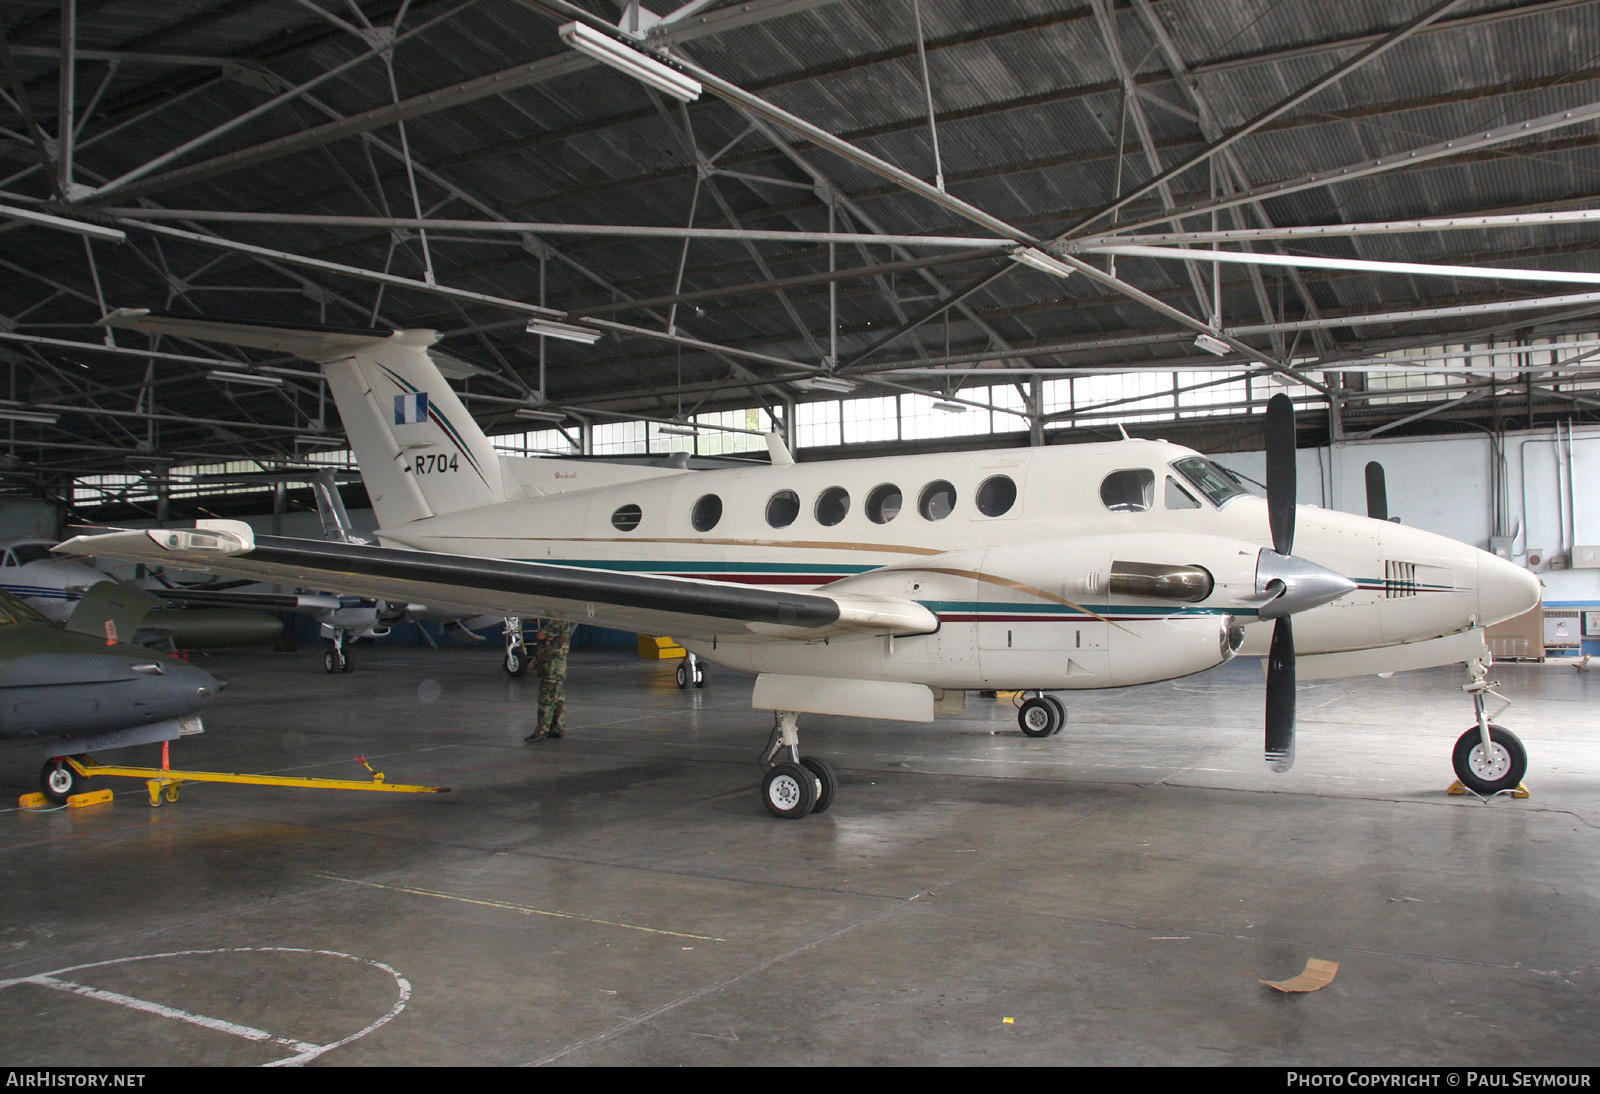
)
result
[(1505, 590)]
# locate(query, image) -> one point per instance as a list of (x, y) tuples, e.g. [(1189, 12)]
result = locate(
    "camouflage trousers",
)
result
[(550, 662)]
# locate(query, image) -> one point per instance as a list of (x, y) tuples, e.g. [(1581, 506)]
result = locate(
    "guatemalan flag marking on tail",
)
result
[(410, 408)]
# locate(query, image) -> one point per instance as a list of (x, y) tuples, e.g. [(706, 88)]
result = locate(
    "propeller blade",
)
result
[(1377, 492), (1280, 697), (1281, 485)]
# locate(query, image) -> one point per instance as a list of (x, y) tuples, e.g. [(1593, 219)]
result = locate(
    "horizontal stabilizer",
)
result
[(310, 342)]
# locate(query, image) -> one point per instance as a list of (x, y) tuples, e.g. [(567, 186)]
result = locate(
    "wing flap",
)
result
[(683, 607)]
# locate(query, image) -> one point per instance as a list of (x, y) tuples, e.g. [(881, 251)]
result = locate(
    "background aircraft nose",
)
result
[(1505, 589), (180, 689)]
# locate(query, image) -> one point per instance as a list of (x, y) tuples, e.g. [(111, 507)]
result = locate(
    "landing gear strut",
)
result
[(794, 785), (1488, 759), (690, 670), (516, 661), (336, 660)]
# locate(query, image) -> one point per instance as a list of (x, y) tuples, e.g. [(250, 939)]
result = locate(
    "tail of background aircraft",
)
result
[(419, 450)]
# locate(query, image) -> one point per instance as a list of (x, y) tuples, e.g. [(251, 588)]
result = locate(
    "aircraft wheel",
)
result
[(59, 782), (516, 662), (827, 781), (1039, 717), (789, 791), (1500, 769), (1061, 713), (683, 675), (333, 662), (699, 675)]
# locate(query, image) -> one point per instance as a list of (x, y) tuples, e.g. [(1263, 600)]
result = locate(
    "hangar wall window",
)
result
[(1129, 491), (996, 496), (626, 518), (832, 506), (883, 504), (537, 442), (782, 508), (937, 501), (619, 438), (707, 511)]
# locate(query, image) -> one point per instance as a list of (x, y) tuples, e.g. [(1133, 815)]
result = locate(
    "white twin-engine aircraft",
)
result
[(884, 587)]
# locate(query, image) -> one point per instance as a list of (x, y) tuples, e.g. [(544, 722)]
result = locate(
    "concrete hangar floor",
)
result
[(1111, 895)]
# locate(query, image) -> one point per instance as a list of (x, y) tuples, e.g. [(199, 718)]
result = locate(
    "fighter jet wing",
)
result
[(683, 607)]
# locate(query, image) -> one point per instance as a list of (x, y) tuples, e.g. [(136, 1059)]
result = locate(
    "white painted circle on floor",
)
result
[(301, 1048)]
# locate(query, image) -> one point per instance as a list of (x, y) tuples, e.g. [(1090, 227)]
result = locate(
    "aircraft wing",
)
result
[(653, 604)]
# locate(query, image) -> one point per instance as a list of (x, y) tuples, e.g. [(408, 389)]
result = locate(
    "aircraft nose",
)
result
[(1505, 589)]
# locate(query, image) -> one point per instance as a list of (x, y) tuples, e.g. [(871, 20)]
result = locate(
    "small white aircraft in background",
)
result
[(883, 587)]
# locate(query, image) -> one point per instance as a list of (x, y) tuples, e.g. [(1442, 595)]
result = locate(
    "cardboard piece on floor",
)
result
[(1319, 974)]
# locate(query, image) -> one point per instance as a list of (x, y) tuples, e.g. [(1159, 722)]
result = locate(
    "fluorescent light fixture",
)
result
[(528, 415), (1212, 345), (951, 408), (1033, 256), (679, 430), (222, 376), (825, 383), (310, 439), (551, 329), (39, 417), (608, 51), (77, 227)]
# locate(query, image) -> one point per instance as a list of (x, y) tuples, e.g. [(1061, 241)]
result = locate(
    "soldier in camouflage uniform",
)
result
[(550, 651)]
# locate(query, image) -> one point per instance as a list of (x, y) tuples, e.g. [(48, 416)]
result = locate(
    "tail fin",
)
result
[(420, 451)]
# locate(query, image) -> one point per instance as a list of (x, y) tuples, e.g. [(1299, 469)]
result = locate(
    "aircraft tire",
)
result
[(1039, 717), (59, 782), (699, 675), (827, 781), (1502, 770), (516, 662), (789, 791), (683, 675), (330, 662), (1061, 713)]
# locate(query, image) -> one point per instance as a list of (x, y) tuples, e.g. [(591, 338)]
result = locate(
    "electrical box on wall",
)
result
[(1585, 558), (1591, 624), (1500, 545)]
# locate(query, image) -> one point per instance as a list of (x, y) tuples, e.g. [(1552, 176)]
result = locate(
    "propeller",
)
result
[(1281, 487)]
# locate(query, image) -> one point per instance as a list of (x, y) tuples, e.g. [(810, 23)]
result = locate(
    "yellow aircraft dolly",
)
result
[(164, 783)]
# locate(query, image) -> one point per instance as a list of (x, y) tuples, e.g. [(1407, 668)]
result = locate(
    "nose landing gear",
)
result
[(1488, 759)]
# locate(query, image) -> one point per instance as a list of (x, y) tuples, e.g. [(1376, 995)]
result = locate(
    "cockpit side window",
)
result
[(1129, 491), (1217, 485), (1178, 497)]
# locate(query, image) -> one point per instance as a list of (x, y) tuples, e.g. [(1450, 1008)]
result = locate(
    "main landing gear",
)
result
[(794, 785), (1488, 759), (336, 659), (516, 660), (690, 669), (1041, 716)]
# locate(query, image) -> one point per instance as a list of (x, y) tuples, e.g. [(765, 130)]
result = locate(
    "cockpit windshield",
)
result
[(13, 610), (24, 553), (1212, 481)]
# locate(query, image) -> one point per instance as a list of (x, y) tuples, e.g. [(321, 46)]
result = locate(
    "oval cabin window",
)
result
[(782, 508), (707, 511), (626, 518), (938, 500), (832, 505), (996, 496), (883, 504)]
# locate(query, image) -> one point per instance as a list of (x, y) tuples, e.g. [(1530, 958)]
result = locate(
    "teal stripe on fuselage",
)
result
[(710, 566)]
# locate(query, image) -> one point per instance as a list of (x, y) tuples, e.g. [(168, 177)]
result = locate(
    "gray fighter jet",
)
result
[(84, 689)]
